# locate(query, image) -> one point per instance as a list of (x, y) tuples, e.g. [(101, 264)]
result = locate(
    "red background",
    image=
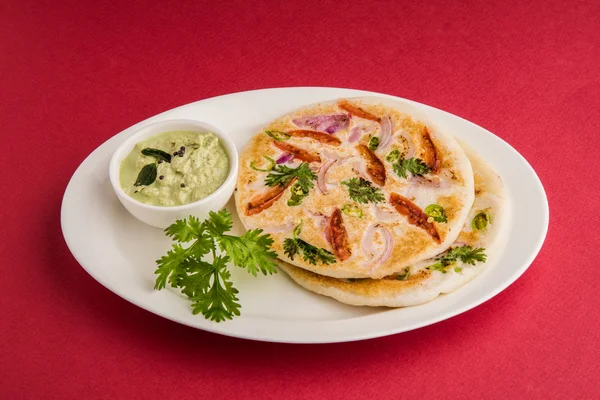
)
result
[(74, 73)]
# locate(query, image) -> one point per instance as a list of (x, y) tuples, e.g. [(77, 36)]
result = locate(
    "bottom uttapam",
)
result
[(476, 244)]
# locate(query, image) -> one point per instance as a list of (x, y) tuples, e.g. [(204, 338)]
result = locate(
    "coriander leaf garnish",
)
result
[(156, 153), (250, 251), (436, 212), (218, 301), (147, 175), (415, 166), (363, 191), (282, 174), (310, 253), (466, 254), (218, 222), (185, 230), (207, 283)]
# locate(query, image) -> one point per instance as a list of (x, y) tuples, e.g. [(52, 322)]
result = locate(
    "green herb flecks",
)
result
[(156, 153), (282, 174), (404, 275), (147, 175), (208, 283), (415, 166), (311, 254), (278, 135), (271, 164), (436, 212), (363, 191), (465, 254)]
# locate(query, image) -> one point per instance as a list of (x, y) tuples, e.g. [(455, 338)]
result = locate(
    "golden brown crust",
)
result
[(338, 236), (431, 156), (298, 153), (415, 215), (375, 167), (357, 111), (409, 243), (318, 136), (368, 287), (266, 200), (420, 284)]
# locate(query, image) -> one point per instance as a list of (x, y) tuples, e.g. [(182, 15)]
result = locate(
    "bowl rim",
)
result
[(115, 161)]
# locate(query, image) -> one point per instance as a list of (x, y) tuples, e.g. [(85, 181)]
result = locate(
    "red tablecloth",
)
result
[(74, 73)]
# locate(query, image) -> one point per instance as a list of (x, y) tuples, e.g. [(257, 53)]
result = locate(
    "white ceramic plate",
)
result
[(120, 252)]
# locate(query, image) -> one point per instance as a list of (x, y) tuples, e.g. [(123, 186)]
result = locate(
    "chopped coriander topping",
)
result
[(415, 166), (310, 253), (363, 191), (465, 254)]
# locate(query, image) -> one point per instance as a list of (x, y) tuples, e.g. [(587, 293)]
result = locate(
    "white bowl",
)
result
[(163, 216)]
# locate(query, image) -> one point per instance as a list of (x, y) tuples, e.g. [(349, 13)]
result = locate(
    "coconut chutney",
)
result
[(174, 168)]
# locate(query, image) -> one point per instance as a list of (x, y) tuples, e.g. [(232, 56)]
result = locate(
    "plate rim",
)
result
[(347, 337)]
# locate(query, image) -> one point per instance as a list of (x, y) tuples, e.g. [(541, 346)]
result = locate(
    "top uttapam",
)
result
[(355, 188)]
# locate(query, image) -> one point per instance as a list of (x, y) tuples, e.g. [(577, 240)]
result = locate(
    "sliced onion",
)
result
[(321, 182), (322, 223), (354, 134), (328, 154), (367, 241), (258, 184), (388, 244), (385, 134), (284, 158), (433, 182), (410, 152), (359, 168), (382, 215), (324, 123), (367, 245), (285, 228)]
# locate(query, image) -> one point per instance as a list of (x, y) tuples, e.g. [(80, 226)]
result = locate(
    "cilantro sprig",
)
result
[(415, 166), (311, 254), (363, 191), (466, 254), (208, 283), (282, 174)]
